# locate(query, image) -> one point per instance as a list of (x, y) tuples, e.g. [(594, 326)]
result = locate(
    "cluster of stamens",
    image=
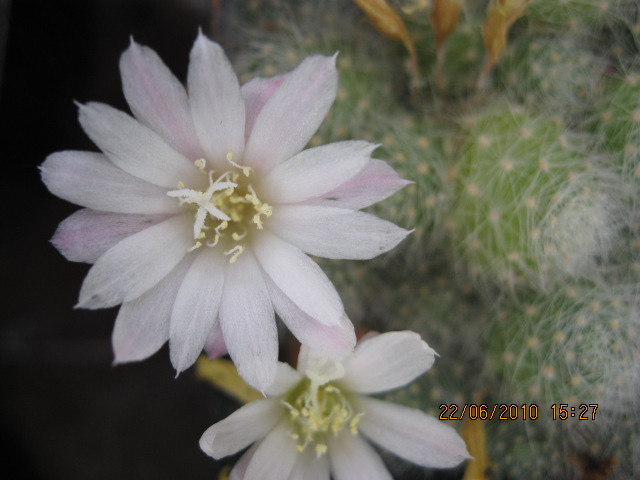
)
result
[(316, 411), (222, 210)]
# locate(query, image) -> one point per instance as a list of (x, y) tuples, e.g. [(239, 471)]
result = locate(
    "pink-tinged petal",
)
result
[(375, 182), (158, 99), (299, 278), (216, 103), (310, 467), (134, 148), (293, 113), (136, 264), (386, 361), (248, 322), (335, 232), (85, 235), (142, 325), (334, 341), (411, 434), (240, 468), (352, 458), (316, 171), (256, 92), (286, 379), (215, 346), (90, 180), (275, 456), (196, 308), (246, 425)]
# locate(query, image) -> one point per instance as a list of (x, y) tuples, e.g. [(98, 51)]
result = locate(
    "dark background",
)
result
[(65, 412)]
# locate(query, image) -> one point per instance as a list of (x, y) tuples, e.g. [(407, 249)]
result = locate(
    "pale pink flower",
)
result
[(201, 209), (313, 422)]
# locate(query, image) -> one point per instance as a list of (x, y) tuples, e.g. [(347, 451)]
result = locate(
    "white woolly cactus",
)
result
[(579, 346), (532, 208), (562, 13), (618, 115), (553, 68)]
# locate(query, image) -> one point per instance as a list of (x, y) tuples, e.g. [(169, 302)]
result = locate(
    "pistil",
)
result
[(317, 411), (226, 208)]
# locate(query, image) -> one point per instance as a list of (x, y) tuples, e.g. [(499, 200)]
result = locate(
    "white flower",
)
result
[(310, 424), (200, 210)]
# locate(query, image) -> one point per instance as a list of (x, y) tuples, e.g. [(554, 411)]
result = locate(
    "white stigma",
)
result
[(226, 208), (204, 199)]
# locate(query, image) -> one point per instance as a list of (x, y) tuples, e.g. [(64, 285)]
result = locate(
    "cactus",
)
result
[(532, 207)]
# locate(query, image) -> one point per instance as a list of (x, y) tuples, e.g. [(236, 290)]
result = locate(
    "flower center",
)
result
[(226, 210), (316, 411)]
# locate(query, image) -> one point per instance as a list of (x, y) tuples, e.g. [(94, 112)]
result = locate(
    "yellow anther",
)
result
[(258, 221), (246, 170), (200, 163), (195, 246), (353, 425), (252, 198), (300, 448), (235, 252), (201, 235), (321, 449), (181, 185)]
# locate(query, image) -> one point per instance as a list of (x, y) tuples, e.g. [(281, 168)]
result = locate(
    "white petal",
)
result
[(136, 264), (157, 99), (215, 346), (352, 458), (299, 278), (142, 325), (275, 456), (216, 103), (256, 92), (334, 341), (248, 322), (375, 182), (135, 148), (196, 308), (240, 468), (309, 467), (293, 113), (335, 232), (286, 379), (411, 434), (87, 234), (246, 425), (386, 361), (316, 171), (90, 180)]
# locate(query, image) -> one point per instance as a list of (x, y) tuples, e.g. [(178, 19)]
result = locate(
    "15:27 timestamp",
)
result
[(584, 411)]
